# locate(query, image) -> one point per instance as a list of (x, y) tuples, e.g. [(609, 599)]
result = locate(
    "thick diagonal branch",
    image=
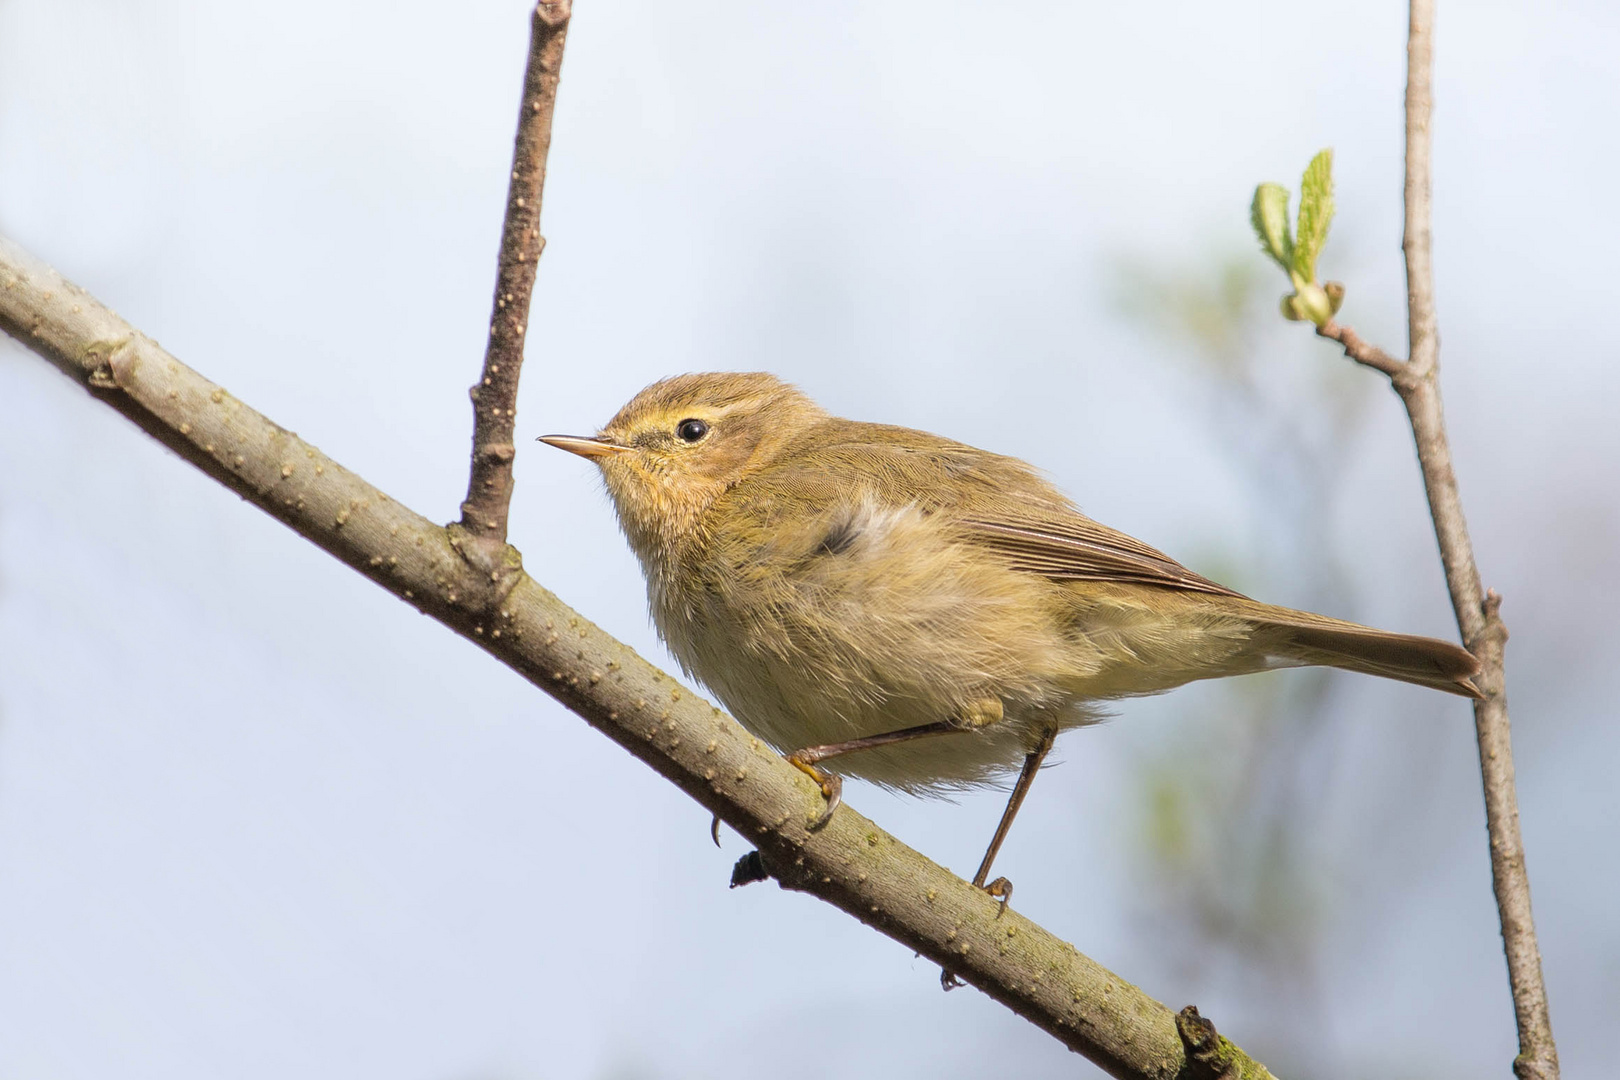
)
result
[(494, 397), (850, 863)]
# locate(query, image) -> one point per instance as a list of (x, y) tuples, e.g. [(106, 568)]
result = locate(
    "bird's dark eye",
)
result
[(691, 430)]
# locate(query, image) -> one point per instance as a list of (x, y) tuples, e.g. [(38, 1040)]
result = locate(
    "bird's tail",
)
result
[(1298, 637)]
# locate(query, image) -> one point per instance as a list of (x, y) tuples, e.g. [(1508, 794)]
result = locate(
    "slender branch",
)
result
[(489, 484), (851, 863), (1477, 612), (1423, 331), (1417, 381), (1359, 350)]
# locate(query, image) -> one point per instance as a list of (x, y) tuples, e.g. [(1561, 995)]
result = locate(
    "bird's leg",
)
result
[(1001, 888), (832, 785), (980, 714)]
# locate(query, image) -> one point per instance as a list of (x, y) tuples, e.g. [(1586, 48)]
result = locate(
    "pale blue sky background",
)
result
[(258, 819)]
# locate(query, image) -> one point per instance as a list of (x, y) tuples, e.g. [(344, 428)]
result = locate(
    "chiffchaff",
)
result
[(931, 614)]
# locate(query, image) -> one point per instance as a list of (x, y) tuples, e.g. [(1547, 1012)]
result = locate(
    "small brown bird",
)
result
[(929, 614)]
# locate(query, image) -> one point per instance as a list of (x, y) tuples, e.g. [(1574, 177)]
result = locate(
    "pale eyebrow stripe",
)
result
[(745, 405)]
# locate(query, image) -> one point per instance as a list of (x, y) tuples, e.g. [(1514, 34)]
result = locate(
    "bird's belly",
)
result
[(793, 703), (836, 653)]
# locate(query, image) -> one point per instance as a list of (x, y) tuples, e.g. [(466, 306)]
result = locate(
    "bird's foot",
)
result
[(1001, 889), (832, 787)]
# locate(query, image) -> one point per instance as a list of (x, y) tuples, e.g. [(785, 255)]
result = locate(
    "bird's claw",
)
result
[(1001, 889), (831, 784)]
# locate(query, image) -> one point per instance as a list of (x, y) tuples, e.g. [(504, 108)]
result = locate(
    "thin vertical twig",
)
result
[(1478, 611), (1416, 241), (494, 397)]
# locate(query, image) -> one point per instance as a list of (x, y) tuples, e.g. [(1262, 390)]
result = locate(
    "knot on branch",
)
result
[(1408, 380), (497, 567), (1209, 1055), (105, 359), (554, 13), (1495, 629), (759, 866), (749, 869), (500, 453), (1536, 1063)]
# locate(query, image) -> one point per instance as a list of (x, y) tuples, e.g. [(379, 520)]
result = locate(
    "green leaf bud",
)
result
[(1315, 215), (1313, 304), (1269, 215)]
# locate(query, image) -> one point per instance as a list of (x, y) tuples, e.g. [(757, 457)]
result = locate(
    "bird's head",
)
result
[(682, 442)]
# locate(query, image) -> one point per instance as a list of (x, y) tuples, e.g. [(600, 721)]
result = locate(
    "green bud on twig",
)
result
[(1296, 252), (1314, 303), (1315, 214), (1269, 214)]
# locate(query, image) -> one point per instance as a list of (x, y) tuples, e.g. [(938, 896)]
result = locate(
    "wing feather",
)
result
[(1075, 548), (998, 503)]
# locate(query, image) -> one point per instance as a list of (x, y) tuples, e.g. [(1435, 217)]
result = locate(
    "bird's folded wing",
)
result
[(998, 503), (1075, 548)]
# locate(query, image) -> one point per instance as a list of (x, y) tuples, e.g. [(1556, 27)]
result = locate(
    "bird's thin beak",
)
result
[(587, 446)]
